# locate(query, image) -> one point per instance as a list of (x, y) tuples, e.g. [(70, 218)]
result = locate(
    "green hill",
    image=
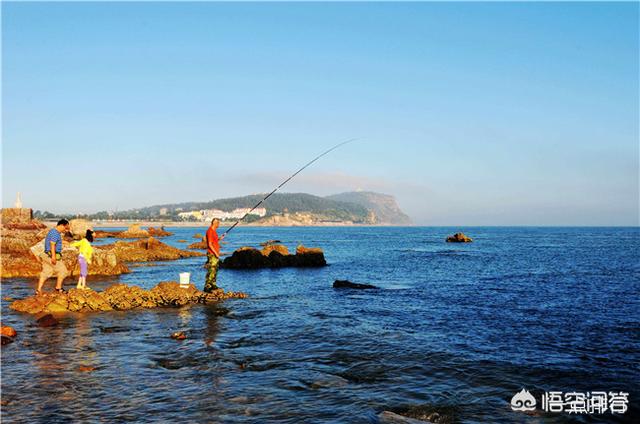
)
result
[(357, 207)]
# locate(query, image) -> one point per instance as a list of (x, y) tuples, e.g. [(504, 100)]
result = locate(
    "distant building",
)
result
[(209, 214), (163, 211)]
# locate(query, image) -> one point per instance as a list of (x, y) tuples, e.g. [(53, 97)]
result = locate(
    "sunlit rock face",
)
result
[(150, 249)]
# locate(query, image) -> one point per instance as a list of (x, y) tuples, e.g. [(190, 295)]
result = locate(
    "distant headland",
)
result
[(281, 209)]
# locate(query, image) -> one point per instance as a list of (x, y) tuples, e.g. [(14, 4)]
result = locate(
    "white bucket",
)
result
[(184, 279)]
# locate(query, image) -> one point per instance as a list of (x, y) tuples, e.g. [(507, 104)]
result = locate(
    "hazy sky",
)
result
[(470, 114)]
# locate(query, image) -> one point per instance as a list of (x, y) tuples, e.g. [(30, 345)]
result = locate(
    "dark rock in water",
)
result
[(309, 257), (47, 321), (346, 284), (459, 238), (6, 340), (274, 256), (246, 258), (179, 335), (388, 417)]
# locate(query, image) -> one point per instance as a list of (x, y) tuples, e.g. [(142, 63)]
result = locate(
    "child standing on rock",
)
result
[(84, 257)]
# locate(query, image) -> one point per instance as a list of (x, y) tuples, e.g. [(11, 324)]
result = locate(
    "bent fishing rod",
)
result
[(284, 182)]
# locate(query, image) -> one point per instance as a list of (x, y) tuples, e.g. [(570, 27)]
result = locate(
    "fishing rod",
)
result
[(284, 182)]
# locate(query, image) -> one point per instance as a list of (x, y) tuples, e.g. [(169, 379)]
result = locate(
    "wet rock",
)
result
[(459, 238), (274, 256), (309, 257), (150, 249), (246, 258), (5, 330), (158, 232), (179, 335), (120, 297), (47, 320), (134, 231), (4, 340), (182, 241), (198, 236), (346, 284)]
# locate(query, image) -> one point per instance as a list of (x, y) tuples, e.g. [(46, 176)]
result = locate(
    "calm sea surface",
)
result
[(455, 328)]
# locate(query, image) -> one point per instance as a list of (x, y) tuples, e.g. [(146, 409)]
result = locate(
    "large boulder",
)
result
[(246, 258), (119, 297), (309, 257), (274, 256), (79, 227), (459, 238)]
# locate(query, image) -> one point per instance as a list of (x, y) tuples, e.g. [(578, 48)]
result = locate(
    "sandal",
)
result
[(38, 292), (61, 290)]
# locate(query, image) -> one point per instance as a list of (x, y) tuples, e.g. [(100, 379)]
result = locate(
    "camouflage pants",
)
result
[(212, 272)]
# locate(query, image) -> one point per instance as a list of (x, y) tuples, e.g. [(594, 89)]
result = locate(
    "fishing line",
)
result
[(286, 181)]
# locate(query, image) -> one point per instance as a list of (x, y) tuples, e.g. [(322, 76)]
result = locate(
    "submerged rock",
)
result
[(119, 297), (274, 256), (202, 245), (459, 238), (4, 340), (46, 320), (346, 284)]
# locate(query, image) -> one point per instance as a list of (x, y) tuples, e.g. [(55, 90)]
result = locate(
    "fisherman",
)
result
[(213, 255), (51, 258)]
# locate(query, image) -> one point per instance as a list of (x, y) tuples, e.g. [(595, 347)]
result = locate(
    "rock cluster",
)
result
[(119, 297), (274, 256), (459, 238), (150, 249), (17, 260), (134, 231)]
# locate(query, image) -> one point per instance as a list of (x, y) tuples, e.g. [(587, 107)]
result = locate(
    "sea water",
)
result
[(455, 329)]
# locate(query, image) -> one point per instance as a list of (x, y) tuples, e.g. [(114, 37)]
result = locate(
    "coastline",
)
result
[(169, 224)]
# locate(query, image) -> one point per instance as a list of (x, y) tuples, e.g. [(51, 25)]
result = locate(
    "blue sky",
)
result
[(470, 114)]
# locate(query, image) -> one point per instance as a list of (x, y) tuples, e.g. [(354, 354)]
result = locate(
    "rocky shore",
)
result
[(120, 297), (19, 232)]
